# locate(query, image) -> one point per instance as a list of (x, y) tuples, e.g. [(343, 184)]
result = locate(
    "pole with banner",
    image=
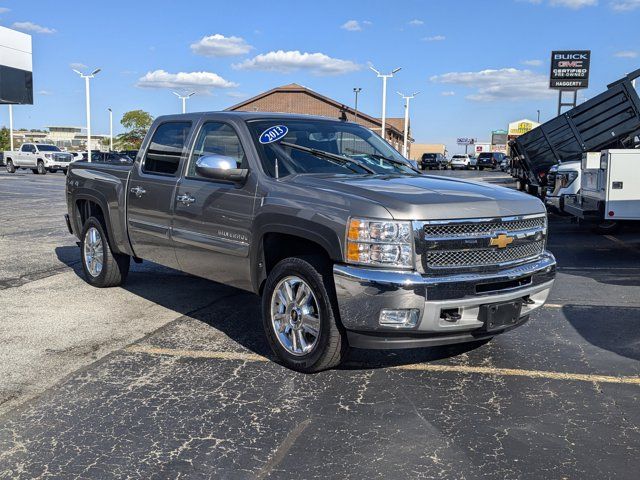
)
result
[(466, 141)]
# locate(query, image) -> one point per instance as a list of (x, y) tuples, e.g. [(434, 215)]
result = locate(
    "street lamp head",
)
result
[(191, 94), (416, 93), (396, 70), (110, 109), (357, 89), (96, 71)]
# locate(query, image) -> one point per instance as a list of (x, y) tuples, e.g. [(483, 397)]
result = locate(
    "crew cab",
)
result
[(433, 160), (39, 157), (345, 242)]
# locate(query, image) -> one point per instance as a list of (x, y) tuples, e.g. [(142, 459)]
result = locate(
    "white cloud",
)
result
[(532, 63), (202, 82), (220, 46), (416, 22), (435, 38), (78, 66), (502, 84), (573, 4), (626, 54), (44, 92), (294, 60), (448, 93), (32, 27), (352, 26), (4, 10), (624, 5), (237, 95)]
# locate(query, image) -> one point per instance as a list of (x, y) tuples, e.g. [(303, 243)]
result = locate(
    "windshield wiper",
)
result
[(343, 161), (392, 161)]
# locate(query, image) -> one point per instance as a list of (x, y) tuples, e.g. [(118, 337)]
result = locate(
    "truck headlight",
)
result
[(47, 155), (568, 178), (380, 243)]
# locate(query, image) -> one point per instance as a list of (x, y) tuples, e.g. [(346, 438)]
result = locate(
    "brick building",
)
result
[(295, 98)]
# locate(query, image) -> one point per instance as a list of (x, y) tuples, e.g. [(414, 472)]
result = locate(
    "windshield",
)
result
[(347, 140), (48, 148), (429, 156)]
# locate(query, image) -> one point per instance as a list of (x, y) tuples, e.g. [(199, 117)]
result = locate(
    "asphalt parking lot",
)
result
[(170, 376)]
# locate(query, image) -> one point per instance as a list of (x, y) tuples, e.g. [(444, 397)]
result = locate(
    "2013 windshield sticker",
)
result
[(273, 134)]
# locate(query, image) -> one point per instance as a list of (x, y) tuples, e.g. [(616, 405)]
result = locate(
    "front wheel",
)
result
[(40, 169), (11, 167), (300, 315), (101, 266)]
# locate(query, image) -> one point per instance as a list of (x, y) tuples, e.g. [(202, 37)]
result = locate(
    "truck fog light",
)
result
[(405, 318)]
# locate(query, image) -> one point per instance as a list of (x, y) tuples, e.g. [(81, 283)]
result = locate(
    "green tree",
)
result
[(5, 144), (137, 123)]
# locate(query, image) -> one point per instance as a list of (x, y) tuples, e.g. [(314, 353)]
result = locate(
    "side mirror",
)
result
[(220, 167)]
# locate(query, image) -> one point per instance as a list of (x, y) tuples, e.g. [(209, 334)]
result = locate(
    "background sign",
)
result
[(570, 69), (16, 77), (465, 141)]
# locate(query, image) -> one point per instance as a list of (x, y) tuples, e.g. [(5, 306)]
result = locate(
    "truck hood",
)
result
[(428, 197)]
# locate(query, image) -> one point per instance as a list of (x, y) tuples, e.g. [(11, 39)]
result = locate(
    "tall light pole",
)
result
[(110, 129), (356, 90), (384, 78), (538, 115), (406, 120), (11, 127), (184, 100), (88, 95)]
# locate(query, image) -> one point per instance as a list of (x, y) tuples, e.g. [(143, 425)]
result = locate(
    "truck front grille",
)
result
[(479, 243)]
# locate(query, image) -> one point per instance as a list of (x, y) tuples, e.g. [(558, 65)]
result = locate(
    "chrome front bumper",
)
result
[(363, 292)]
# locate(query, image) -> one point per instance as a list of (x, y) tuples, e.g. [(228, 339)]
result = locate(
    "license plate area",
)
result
[(498, 316)]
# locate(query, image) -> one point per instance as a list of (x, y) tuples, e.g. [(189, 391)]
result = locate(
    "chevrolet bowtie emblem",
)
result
[(501, 241)]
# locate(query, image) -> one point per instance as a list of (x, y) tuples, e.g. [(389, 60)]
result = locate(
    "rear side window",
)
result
[(165, 149)]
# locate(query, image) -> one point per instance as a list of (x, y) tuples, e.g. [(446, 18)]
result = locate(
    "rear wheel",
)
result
[(40, 169), (300, 315), (101, 266), (10, 167)]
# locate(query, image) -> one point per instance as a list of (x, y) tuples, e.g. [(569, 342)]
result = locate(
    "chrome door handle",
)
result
[(138, 191), (185, 199)]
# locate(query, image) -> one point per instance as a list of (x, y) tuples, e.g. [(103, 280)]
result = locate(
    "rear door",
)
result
[(212, 219), (151, 193), (27, 156)]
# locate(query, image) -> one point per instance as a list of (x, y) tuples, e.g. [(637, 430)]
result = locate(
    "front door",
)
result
[(151, 193), (212, 219)]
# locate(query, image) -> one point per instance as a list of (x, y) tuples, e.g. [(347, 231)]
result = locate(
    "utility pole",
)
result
[(384, 78), (88, 100), (110, 129), (11, 127), (184, 100), (406, 120), (356, 90)]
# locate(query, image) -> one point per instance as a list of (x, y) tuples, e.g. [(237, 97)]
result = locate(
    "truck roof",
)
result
[(246, 116)]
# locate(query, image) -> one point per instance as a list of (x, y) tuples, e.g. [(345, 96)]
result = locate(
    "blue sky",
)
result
[(478, 64)]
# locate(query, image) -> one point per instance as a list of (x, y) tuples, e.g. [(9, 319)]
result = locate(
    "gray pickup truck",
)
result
[(346, 243)]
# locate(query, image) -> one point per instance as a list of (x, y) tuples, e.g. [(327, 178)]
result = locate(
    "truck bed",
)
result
[(608, 120)]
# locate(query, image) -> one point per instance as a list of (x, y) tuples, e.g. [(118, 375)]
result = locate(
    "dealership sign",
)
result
[(465, 141), (570, 69)]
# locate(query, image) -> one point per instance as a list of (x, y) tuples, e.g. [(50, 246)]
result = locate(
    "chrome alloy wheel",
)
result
[(295, 316), (93, 251)]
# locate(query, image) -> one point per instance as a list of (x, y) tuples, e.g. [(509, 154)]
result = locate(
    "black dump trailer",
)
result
[(609, 120)]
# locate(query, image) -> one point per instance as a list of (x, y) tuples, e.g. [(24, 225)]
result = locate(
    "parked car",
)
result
[(505, 164), (473, 162), (348, 246), (39, 157), (462, 162), (430, 161), (490, 160)]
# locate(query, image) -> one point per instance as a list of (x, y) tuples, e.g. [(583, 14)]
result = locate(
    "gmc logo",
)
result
[(570, 64)]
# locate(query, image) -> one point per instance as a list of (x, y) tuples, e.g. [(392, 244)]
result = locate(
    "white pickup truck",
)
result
[(39, 157)]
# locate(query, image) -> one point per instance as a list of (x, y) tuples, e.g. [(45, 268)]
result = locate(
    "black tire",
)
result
[(10, 166), (40, 169), (115, 266), (35, 171), (607, 227), (331, 344)]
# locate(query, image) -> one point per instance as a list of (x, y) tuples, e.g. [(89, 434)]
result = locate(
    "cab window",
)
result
[(216, 138), (165, 148)]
